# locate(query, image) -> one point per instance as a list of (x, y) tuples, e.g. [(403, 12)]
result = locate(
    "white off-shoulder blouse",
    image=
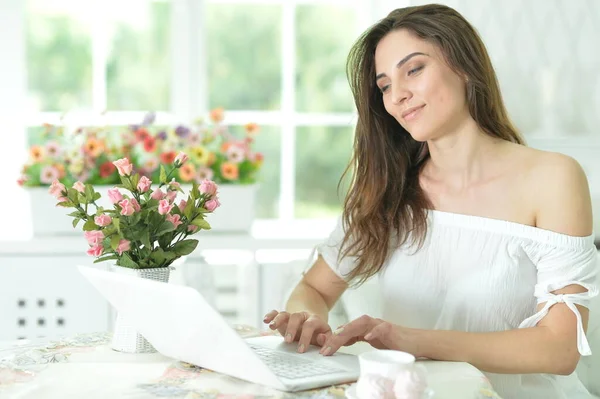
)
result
[(478, 274)]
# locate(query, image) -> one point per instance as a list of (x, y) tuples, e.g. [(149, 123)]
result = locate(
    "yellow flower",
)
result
[(200, 154)]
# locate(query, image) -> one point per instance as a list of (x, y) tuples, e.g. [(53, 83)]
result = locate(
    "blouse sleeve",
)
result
[(330, 250), (569, 261)]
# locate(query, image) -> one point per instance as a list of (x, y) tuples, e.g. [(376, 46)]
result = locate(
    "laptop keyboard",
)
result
[(291, 366)]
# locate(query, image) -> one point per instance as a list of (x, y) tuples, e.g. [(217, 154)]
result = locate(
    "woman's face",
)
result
[(419, 89)]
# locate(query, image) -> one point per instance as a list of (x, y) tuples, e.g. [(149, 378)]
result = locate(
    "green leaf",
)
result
[(165, 227), (189, 208), (97, 196), (163, 175), (135, 180), (158, 256), (114, 242), (75, 222), (126, 261), (195, 193), (200, 222), (145, 239), (126, 183), (90, 225), (185, 247), (89, 193), (117, 223), (109, 257)]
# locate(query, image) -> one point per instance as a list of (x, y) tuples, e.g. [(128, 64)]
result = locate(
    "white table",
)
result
[(84, 366)]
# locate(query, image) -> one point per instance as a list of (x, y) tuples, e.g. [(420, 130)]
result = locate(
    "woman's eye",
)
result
[(384, 88), (415, 70)]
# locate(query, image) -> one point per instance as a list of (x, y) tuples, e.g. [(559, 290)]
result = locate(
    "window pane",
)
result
[(268, 142), (244, 56), (138, 69), (323, 152), (59, 60), (324, 37)]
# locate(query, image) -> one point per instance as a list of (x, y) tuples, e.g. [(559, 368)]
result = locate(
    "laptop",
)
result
[(181, 324)]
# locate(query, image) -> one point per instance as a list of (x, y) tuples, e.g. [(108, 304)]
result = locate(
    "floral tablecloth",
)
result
[(84, 367)]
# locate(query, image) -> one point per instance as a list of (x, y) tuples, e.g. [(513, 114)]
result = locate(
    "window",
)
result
[(279, 63)]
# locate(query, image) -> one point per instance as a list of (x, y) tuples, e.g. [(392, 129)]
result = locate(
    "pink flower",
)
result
[(180, 159), (157, 194), (95, 251), (144, 184), (136, 205), (114, 195), (212, 204), (79, 186), (182, 205), (127, 208), (123, 246), (175, 219), (171, 195), (192, 228), (57, 188), (164, 207), (173, 185), (236, 154), (208, 187), (204, 173), (49, 174), (123, 166), (102, 220), (94, 237)]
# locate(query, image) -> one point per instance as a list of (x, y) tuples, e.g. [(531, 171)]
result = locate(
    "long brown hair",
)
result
[(385, 206)]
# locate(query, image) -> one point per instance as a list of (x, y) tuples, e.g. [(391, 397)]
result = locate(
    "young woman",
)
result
[(483, 246)]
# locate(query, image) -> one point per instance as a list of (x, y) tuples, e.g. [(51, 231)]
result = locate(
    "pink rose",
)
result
[(127, 208), (212, 204), (136, 205), (180, 159), (79, 186), (175, 219), (208, 187), (123, 166), (164, 207), (57, 188), (144, 184), (157, 194), (123, 246), (95, 251), (94, 237), (192, 228), (174, 185), (114, 195), (182, 205), (171, 195), (102, 220)]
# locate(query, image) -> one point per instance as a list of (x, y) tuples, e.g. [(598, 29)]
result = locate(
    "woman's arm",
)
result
[(317, 292)]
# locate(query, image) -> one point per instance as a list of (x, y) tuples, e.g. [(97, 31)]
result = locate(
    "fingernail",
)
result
[(288, 338), (368, 336), (327, 350), (301, 348), (272, 323), (338, 331), (265, 319)]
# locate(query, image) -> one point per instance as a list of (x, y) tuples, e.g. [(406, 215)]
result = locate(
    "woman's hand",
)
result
[(378, 333), (300, 326)]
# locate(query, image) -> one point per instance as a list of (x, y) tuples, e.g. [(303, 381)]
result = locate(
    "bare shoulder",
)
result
[(561, 193)]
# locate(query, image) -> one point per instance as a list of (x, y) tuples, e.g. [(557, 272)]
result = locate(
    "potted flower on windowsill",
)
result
[(84, 154), (144, 231), (215, 153)]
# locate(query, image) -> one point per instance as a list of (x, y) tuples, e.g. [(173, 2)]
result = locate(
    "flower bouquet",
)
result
[(143, 232), (144, 228)]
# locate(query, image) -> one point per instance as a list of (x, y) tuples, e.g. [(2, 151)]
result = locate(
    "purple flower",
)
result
[(149, 118), (182, 131), (162, 135)]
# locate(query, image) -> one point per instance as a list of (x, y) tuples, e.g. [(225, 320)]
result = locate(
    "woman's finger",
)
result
[(270, 316)]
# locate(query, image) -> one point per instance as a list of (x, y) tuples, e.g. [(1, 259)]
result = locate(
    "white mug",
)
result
[(385, 363)]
